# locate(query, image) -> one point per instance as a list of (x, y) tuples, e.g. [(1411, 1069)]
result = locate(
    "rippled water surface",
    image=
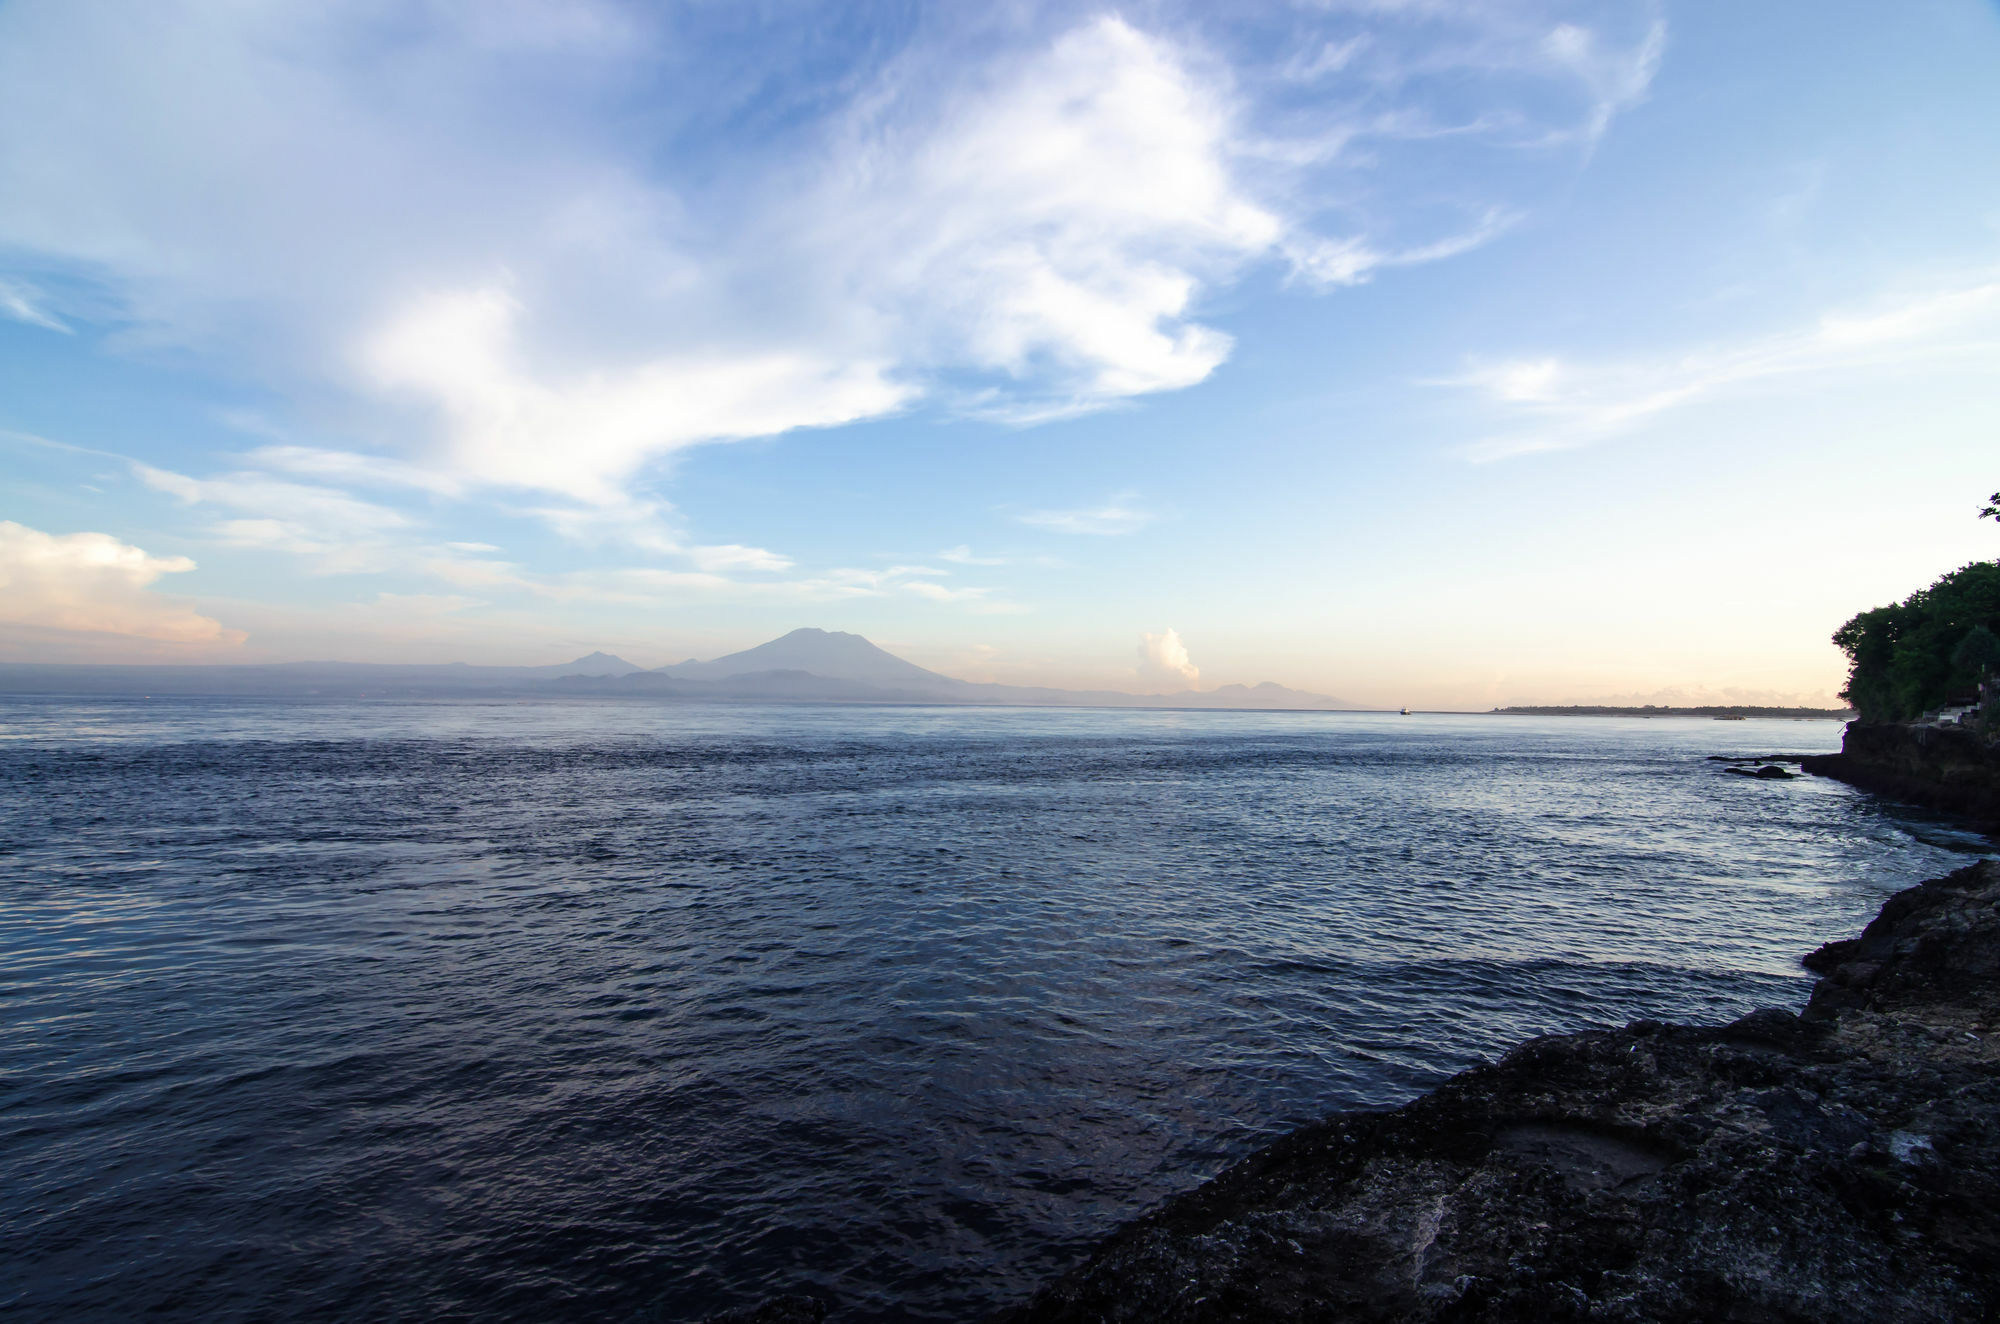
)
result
[(529, 1011)]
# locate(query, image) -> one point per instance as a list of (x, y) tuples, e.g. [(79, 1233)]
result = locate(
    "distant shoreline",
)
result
[(546, 692), (1651, 710)]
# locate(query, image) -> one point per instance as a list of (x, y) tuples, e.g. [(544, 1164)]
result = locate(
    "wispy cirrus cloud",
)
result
[(1116, 515), (962, 555), (332, 531), (335, 532), (1021, 213), (660, 586), (1556, 403), (352, 469), (24, 305)]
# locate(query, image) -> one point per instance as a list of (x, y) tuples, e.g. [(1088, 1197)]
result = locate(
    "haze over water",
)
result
[(519, 1011)]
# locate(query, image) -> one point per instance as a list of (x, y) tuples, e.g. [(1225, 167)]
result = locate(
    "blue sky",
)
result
[(1404, 350)]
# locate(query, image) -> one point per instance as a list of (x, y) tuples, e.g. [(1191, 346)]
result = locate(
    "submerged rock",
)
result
[(1839, 1164)]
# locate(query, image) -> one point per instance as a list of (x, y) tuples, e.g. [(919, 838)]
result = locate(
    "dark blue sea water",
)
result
[(510, 1011)]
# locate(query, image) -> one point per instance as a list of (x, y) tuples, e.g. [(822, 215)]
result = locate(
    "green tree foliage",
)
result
[(1978, 654), (1904, 657), (1992, 510)]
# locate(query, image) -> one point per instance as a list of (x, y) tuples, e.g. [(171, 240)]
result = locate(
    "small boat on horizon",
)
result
[(1406, 712)]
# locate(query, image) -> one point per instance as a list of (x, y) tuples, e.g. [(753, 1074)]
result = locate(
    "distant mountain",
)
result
[(826, 666), (816, 664), (832, 654), (591, 664)]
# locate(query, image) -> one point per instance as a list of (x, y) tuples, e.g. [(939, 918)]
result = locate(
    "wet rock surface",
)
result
[(777, 1310), (1951, 769), (1839, 1164)]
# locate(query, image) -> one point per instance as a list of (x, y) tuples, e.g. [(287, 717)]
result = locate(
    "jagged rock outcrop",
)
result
[(1839, 1164), (1947, 768)]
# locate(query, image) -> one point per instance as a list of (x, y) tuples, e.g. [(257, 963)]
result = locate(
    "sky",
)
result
[(1408, 351)]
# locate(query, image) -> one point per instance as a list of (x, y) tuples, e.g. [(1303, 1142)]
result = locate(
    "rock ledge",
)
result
[(1839, 1164)]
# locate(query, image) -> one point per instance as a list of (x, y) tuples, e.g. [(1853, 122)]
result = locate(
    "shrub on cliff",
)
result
[(1901, 657)]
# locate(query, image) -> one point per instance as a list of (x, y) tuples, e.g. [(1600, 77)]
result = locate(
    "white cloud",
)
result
[(1164, 658), (23, 305), (553, 291), (1054, 223), (359, 470), (1335, 262), (1329, 57), (93, 583), (1119, 514), (336, 532), (1616, 78), (731, 556), (936, 592), (962, 555), (584, 434), (426, 604), (1566, 404)]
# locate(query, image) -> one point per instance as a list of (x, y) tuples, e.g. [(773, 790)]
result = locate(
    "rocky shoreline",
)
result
[(1839, 1163), (1945, 768)]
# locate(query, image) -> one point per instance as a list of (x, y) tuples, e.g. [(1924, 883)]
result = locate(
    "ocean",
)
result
[(597, 1010)]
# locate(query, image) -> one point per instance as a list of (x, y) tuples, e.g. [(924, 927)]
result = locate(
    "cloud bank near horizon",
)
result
[(91, 583)]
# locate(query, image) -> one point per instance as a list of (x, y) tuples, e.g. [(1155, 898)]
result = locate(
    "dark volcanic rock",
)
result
[(1836, 1165), (1769, 772), (1947, 768), (777, 1310), (1760, 758)]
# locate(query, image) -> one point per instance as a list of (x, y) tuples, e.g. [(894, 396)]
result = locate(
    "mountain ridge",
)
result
[(804, 665), (833, 654)]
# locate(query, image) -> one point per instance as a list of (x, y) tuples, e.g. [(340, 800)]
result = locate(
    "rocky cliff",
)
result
[(1839, 1164), (1948, 768)]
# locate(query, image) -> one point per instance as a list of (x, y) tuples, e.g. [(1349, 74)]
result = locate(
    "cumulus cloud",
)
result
[(1117, 514), (93, 583), (1163, 659)]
